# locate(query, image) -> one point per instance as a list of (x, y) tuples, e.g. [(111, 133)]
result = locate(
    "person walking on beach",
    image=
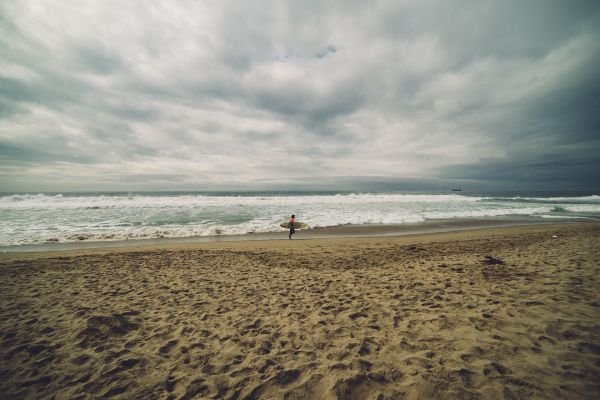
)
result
[(291, 225)]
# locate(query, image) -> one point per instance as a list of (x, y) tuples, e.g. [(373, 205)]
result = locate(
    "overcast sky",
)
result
[(197, 95)]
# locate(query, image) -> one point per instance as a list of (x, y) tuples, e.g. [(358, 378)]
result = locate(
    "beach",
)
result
[(491, 313)]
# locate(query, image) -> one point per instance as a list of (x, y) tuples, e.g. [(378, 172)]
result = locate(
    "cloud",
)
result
[(193, 94)]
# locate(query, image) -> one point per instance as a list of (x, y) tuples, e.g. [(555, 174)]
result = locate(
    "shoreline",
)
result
[(340, 231)]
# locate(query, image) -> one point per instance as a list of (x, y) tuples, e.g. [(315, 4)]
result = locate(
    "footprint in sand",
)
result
[(282, 379), (80, 360), (354, 388), (495, 369), (100, 328), (358, 315), (168, 347), (170, 383), (466, 377), (124, 365)]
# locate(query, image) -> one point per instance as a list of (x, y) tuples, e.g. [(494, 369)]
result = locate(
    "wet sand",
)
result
[(493, 313), (340, 231)]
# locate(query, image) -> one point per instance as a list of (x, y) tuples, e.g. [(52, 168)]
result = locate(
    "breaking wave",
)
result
[(67, 217)]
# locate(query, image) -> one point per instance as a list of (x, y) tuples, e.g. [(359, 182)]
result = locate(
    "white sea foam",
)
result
[(564, 217), (559, 199), (41, 218), (583, 208), (593, 198), (141, 201)]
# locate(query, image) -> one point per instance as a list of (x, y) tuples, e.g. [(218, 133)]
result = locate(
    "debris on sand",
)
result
[(489, 260)]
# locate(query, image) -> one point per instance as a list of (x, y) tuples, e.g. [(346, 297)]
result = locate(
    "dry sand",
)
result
[(421, 317)]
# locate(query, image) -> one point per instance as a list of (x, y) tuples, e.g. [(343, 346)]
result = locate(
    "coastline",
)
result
[(340, 231)]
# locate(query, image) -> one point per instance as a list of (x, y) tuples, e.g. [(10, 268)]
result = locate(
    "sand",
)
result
[(489, 314)]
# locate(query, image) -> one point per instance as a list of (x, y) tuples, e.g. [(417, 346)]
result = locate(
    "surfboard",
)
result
[(297, 225)]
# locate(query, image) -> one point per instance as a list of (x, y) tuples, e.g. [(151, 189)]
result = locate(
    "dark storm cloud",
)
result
[(198, 94), (32, 154), (313, 113), (551, 137), (9, 152), (534, 172)]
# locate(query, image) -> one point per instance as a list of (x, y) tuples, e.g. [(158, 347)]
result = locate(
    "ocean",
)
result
[(45, 218)]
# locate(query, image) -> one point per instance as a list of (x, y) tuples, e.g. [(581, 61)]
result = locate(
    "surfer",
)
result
[(291, 225)]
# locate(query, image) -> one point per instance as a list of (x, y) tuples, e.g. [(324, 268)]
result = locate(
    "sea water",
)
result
[(78, 217)]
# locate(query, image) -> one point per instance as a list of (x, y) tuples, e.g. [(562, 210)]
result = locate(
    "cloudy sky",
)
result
[(200, 95)]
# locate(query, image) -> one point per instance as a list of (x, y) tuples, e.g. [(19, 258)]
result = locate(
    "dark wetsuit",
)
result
[(291, 225)]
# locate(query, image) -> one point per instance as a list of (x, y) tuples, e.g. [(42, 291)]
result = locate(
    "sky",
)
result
[(241, 95)]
